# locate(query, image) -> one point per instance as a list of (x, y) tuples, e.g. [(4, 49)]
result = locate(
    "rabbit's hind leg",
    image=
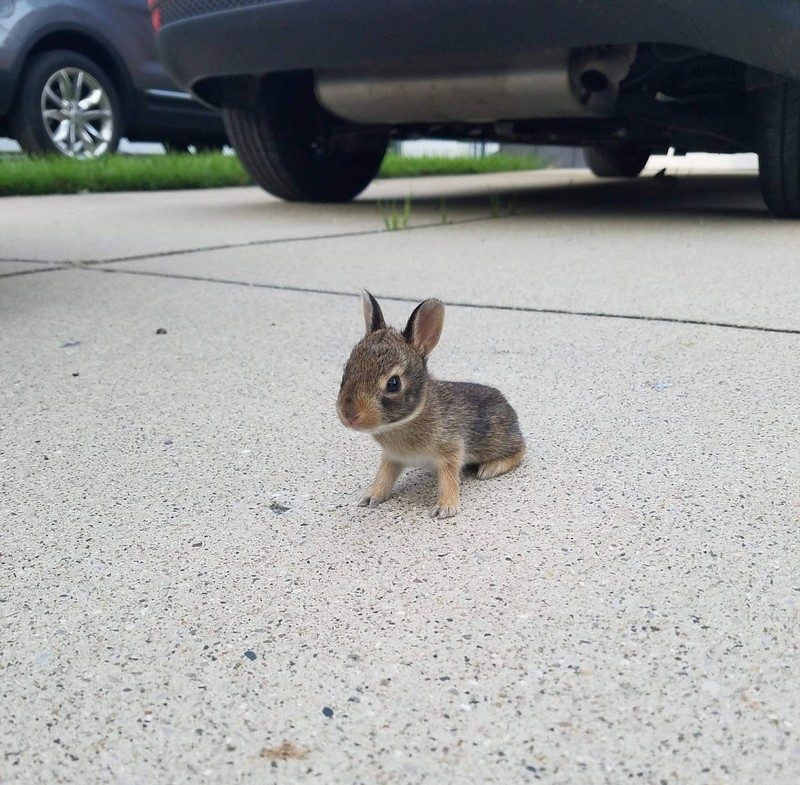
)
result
[(500, 466)]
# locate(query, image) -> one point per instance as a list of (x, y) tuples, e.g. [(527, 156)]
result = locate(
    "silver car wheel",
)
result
[(77, 114)]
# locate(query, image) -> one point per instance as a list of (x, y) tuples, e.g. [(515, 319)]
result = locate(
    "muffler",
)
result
[(575, 83)]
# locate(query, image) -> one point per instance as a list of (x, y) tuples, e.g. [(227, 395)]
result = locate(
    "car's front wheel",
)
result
[(778, 140), (287, 146), (619, 160), (66, 104)]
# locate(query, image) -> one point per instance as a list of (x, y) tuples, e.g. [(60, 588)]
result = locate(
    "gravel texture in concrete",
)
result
[(190, 594)]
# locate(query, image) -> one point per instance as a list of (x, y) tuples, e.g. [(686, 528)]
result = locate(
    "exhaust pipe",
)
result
[(578, 83), (595, 75)]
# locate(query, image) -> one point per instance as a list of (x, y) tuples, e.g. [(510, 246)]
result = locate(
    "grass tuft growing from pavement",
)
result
[(21, 175)]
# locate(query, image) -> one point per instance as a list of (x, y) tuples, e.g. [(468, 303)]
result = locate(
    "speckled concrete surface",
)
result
[(189, 593)]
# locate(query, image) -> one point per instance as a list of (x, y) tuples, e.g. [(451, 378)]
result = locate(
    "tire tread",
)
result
[(616, 160), (778, 118), (274, 143)]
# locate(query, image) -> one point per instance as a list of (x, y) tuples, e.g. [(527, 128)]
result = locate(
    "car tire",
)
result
[(66, 104), (778, 147), (616, 160), (282, 144)]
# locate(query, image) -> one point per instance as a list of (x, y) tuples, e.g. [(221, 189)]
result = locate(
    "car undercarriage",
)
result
[(311, 123)]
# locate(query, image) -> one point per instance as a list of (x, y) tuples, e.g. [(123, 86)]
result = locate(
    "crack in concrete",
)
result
[(26, 261), (279, 241), (93, 266), (86, 263), (456, 304), (50, 269)]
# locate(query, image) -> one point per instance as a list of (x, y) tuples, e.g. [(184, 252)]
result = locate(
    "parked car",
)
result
[(76, 75), (311, 91)]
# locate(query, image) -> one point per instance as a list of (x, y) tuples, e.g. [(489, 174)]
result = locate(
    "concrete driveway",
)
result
[(190, 593)]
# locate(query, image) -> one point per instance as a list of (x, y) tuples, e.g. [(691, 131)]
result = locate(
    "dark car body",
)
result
[(436, 36), (118, 36), (623, 78)]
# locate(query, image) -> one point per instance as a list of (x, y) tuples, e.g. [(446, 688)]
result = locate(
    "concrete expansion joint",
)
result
[(455, 304), (282, 241)]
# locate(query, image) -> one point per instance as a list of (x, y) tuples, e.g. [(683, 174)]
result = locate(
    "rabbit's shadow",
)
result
[(417, 485), (420, 485)]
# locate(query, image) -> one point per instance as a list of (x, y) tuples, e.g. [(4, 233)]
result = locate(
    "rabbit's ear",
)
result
[(373, 316), (425, 326)]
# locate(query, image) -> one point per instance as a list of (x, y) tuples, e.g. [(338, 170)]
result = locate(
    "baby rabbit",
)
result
[(387, 392)]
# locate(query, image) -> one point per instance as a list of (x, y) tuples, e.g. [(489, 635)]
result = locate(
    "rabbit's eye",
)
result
[(393, 385)]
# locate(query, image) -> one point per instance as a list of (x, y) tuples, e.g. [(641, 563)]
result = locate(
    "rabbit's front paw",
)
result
[(442, 511), (371, 501)]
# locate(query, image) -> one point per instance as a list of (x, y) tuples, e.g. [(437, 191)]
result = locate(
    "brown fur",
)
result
[(446, 425)]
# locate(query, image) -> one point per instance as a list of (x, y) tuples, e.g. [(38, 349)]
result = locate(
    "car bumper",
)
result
[(204, 39)]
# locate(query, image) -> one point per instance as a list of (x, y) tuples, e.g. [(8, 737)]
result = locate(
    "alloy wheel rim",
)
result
[(77, 114)]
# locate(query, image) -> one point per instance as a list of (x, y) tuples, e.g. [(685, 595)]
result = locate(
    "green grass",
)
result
[(395, 217), (24, 176), (401, 166)]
